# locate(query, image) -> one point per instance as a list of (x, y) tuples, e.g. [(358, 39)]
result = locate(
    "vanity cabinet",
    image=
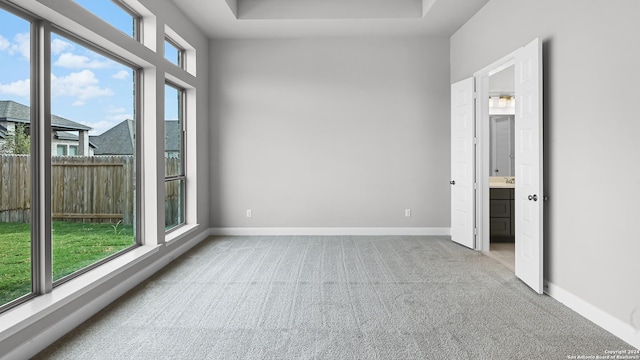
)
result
[(501, 210)]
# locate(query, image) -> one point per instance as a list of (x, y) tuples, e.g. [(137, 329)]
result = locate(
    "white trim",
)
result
[(498, 65), (188, 51), (615, 326), (18, 319), (181, 232), (249, 231)]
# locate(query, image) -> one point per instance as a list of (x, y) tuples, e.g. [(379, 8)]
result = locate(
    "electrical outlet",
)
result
[(407, 212), (248, 213)]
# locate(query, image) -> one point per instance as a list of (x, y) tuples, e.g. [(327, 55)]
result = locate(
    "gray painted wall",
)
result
[(330, 132), (591, 135)]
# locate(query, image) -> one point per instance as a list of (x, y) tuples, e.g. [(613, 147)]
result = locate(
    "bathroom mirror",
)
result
[(501, 119)]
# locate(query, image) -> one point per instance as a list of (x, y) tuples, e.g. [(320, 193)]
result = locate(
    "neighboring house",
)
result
[(172, 138), (68, 137), (120, 139)]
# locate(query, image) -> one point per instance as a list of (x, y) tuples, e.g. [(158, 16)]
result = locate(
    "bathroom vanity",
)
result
[(502, 208)]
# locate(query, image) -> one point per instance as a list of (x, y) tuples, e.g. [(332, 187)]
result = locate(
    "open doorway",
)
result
[(502, 181)]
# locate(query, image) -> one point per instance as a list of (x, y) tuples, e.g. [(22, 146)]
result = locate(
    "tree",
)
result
[(17, 143)]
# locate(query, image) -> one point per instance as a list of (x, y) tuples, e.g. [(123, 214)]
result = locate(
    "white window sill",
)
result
[(37, 308), (180, 232)]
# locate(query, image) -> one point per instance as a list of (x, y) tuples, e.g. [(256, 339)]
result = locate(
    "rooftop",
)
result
[(16, 112)]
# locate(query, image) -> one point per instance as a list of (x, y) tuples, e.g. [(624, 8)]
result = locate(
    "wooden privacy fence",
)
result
[(173, 202), (93, 189), (15, 188)]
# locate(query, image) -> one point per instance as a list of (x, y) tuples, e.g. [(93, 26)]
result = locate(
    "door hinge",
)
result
[(475, 231), (475, 141), (475, 94)]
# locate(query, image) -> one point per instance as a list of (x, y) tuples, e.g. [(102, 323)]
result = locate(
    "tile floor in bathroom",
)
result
[(504, 253)]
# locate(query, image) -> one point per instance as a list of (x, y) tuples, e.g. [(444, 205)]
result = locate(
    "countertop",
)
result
[(502, 182)]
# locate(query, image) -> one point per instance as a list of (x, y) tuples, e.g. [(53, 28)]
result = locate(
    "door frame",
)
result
[(483, 147)]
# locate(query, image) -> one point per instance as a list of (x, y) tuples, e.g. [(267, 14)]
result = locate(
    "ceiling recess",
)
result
[(329, 9)]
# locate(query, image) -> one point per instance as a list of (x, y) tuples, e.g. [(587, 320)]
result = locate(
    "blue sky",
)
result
[(86, 87)]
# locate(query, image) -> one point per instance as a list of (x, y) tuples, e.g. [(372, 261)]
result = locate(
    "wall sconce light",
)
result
[(502, 101), (490, 102)]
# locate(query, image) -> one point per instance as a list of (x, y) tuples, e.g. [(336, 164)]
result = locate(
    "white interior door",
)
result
[(528, 160), (501, 145), (462, 163)]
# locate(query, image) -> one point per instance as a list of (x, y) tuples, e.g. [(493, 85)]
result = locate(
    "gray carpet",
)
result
[(344, 297)]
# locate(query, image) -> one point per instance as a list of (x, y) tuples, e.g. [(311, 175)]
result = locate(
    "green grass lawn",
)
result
[(75, 245)]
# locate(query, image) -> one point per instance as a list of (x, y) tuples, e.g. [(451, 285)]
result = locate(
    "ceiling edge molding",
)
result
[(426, 6), (233, 5)]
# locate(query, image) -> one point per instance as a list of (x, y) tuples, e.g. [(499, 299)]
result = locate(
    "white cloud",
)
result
[(18, 88), (99, 127), (112, 109), (121, 75), (4, 43), (117, 115), (73, 61), (83, 85), (58, 46), (21, 45)]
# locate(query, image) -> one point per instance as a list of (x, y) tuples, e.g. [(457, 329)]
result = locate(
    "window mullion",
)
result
[(41, 161)]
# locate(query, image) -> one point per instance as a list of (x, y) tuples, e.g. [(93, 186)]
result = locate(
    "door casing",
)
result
[(483, 148)]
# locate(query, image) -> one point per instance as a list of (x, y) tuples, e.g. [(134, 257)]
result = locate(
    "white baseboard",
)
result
[(615, 326), (39, 341), (371, 231)]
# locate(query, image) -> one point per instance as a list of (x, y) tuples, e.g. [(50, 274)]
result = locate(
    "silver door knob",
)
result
[(452, 182)]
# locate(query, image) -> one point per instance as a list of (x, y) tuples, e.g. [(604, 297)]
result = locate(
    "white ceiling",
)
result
[(328, 18)]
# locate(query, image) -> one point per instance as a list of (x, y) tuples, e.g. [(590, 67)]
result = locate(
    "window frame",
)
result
[(62, 147), (57, 30), (180, 50), (35, 256), (188, 58), (137, 18)]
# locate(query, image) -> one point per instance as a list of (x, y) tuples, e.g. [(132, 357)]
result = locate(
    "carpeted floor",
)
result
[(347, 297)]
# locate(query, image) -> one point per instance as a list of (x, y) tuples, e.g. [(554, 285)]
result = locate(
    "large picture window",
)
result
[(83, 195), (174, 156), (15, 159), (93, 183)]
